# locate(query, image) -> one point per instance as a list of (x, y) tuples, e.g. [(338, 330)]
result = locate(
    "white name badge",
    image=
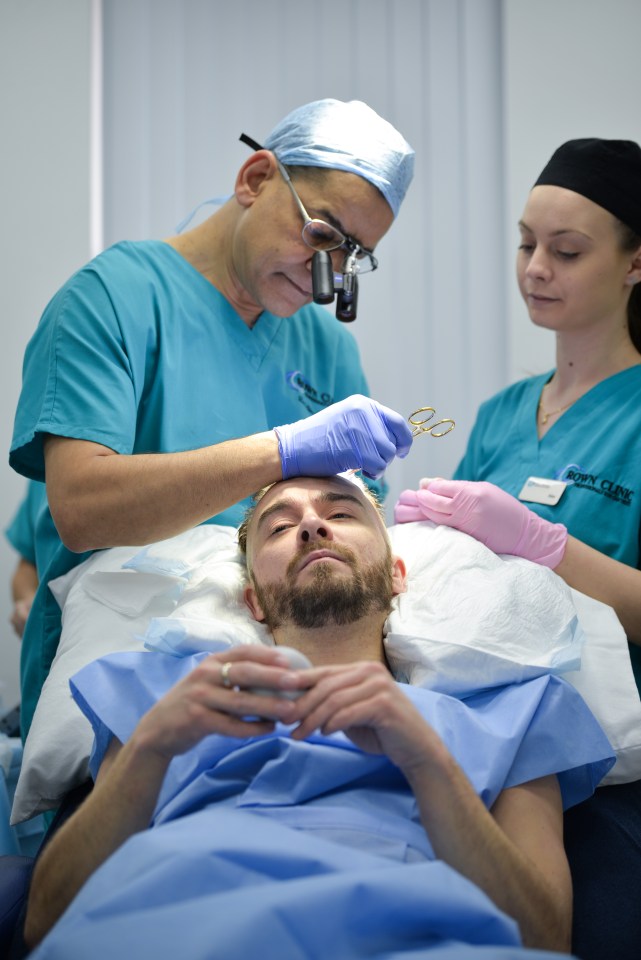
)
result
[(540, 490)]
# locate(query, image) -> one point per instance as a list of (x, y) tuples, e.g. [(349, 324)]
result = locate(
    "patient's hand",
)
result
[(217, 697), (363, 701)]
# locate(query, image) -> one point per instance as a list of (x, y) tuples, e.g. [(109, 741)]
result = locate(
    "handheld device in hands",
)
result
[(297, 661)]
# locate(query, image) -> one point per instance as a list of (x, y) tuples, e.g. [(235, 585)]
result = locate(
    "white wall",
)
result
[(571, 69), (44, 198)]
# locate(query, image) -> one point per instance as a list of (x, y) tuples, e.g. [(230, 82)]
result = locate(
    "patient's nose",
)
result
[(313, 528)]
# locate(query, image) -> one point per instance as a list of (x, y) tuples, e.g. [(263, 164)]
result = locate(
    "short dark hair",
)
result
[(631, 241)]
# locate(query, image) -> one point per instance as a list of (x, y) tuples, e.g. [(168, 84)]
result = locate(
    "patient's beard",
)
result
[(330, 597)]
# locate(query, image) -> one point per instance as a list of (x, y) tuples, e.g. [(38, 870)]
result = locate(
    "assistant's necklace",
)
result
[(546, 414)]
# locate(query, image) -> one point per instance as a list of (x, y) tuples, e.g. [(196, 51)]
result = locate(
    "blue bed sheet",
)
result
[(281, 850)]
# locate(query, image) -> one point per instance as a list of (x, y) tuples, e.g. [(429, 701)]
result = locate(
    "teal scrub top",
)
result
[(595, 447), (140, 353)]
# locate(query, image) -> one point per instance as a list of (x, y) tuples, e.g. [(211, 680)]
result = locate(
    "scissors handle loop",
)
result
[(419, 425)]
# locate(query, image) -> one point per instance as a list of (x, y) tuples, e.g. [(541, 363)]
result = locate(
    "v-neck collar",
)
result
[(255, 341)]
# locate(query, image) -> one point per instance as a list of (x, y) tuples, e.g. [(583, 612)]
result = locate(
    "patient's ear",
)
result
[(399, 576), (252, 604)]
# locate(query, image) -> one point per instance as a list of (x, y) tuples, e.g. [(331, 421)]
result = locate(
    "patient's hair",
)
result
[(367, 492)]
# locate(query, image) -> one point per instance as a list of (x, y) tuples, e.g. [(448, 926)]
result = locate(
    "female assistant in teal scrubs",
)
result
[(568, 443)]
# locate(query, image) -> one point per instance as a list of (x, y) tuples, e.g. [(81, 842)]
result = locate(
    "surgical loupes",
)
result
[(326, 284)]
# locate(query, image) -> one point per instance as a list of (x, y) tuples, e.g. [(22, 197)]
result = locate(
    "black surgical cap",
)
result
[(608, 172)]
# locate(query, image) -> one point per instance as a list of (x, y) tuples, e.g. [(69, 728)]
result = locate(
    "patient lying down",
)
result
[(243, 808)]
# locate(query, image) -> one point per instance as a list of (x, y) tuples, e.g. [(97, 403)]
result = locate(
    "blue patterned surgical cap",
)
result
[(346, 136)]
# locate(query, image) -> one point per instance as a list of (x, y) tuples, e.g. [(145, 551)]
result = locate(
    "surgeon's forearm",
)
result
[(24, 584), (605, 579), (24, 581), (465, 835), (120, 805), (101, 499)]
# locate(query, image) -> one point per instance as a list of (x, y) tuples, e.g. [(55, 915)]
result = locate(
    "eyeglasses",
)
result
[(318, 234)]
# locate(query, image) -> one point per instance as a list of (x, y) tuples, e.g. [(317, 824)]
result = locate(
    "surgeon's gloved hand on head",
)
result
[(488, 514), (355, 434)]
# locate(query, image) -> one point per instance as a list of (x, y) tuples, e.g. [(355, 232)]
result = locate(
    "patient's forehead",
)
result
[(303, 489)]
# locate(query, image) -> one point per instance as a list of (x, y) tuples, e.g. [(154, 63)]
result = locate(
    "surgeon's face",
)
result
[(271, 262), (572, 271), (318, 554)]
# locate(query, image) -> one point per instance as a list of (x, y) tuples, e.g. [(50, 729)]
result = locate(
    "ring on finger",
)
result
[(224, 674)]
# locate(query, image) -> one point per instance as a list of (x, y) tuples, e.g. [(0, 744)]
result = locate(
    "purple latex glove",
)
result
[(354, 434), (489, 514)]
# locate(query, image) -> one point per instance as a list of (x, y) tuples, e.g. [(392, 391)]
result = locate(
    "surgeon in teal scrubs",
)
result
[(158, 374), (552, 471)]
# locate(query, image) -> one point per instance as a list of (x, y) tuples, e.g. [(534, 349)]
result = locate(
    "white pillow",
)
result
[(470, 619), (107, 607), (606, 683), (517, 617)]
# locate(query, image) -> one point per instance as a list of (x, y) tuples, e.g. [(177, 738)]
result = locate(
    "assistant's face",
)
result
[(317, 546), (272, 262), (570, 267)]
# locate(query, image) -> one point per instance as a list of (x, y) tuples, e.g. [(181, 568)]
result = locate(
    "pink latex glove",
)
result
[(489, 514)]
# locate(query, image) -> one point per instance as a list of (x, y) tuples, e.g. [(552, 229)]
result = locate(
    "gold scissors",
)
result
[(419, 425)]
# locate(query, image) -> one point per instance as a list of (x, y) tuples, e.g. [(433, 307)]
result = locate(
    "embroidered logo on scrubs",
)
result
[(308, 395), (577, 476)]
